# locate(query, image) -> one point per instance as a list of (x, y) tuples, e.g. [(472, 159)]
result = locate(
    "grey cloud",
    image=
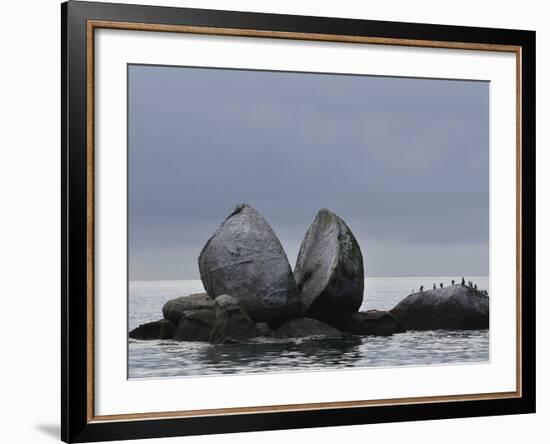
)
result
[(404, 161)]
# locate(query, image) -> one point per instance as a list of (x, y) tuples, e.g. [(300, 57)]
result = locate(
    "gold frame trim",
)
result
[(96, 24)]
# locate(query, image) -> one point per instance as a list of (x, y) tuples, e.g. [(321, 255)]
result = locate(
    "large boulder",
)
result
[(174, 308), (232, 323), (245, 259), (371, 322), (457, 307), (329, 270), (162, 329), (196, 325), (306, 327)]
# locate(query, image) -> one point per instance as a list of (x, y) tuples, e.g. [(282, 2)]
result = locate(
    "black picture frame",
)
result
[(76, 423)]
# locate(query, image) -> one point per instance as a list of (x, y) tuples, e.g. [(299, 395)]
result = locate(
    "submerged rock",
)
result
[(457, 307), (329, 270), (232, 324), (305, 327), (245, 259), (371, 322), (162, 329), (174, 308), (196, 325)]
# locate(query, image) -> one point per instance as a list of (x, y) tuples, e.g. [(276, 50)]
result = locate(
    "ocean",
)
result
[(157, 359)]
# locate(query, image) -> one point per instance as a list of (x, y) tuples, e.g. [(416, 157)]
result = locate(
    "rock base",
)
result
[(195, 325), (232, 324), (162, 329), (372, 322), (306, 327)]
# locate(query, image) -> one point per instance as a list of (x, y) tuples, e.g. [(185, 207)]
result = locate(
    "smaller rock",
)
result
[(264, 330), (162, 329), (195, 325), (174, 308), (232, 324), (457, 307), (304, 327), (371, 322)]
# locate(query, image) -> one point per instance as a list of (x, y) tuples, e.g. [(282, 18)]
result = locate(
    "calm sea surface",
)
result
[(153, 359)]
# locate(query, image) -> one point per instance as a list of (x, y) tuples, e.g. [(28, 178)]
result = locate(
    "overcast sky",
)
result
[(405, 162)]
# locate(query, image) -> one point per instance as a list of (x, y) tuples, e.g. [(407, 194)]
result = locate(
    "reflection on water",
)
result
[(310, 353), (154, 359), (171, 358)]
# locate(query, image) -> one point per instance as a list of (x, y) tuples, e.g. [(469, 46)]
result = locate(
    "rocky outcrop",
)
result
[(371, 322), (195, 325), (174, 308), (329, 270), (232, 324), (253, 293), (245, 259), (306, 327), (162, 329), (457, 307)]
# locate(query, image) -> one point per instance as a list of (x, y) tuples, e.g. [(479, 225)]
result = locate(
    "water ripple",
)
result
[(167, 358)]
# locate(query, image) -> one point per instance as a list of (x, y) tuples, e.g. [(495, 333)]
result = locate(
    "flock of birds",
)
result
[(463, 282)]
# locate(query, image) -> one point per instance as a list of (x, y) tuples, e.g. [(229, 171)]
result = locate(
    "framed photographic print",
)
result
[(275, 221)]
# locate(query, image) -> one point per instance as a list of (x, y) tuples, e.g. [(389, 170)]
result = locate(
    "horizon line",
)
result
[(366, 277)]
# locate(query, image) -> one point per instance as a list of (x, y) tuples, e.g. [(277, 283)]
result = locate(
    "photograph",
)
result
[(276, 221), (284, 221)]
